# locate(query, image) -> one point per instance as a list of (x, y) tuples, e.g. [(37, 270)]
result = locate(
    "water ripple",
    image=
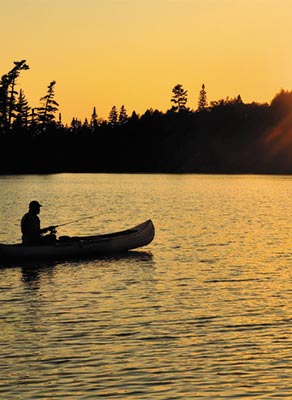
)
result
[(203, 313)]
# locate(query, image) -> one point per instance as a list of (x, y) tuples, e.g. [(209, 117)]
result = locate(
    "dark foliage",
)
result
[(226, 137)]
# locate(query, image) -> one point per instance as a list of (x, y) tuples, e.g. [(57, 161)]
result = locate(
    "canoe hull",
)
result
[(82, 247)]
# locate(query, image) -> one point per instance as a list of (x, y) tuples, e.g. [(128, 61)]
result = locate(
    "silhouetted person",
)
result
[(32, 234)]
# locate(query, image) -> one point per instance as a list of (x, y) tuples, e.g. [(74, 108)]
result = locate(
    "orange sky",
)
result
[(133, 52)]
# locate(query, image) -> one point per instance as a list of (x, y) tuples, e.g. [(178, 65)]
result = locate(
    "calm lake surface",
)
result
[(203, 312)]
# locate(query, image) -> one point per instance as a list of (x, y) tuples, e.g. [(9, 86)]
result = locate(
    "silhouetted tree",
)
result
[(179, 98), (46, 113), (8, 94), (282, 103), (123, 116), (134, 116), (4, 84), (113, 117), (227, 102), (93, 121), (60, 123), (239, 99), (202, 103), (33, 120), (231, 137), (22, 111), (75, 125)]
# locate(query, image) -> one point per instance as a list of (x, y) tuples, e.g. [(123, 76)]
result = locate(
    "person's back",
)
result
[(30, 228), (32, 234)]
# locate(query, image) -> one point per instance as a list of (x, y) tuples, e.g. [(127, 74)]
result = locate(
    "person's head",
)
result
[(34, 207)]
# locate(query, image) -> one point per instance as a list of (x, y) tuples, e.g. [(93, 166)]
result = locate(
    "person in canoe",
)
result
[(32, 234)]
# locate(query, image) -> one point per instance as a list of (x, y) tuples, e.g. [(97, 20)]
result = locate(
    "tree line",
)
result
[(15, 111), (223, 136)]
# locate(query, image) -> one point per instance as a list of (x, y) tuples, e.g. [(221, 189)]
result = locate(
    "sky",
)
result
[(105, 53)]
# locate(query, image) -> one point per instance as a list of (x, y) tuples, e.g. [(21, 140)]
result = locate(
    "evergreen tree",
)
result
[(123, 116), (46, 113), (85, 127), (75, 124), (60, 123), (134, 118), (93, 121), (8, 94), (4, 83), (22, 111), (113, 117), (32, 119), (202, 103), (239, 99), (179, 98)]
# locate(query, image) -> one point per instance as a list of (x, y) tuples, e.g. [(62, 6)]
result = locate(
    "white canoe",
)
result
[(82, 246)]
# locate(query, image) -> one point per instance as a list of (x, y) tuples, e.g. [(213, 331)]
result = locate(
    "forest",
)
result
[(226, 136)]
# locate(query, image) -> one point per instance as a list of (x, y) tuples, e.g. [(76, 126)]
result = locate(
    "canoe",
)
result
[(82, 246)]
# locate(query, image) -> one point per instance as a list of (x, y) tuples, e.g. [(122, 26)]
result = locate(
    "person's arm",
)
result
[(48, 229)]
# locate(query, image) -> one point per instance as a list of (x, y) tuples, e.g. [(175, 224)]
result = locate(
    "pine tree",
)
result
[(32, 118), (202, 103), (46, 113), (22, 111), (93, 121), (60, 122), (8, 94), (123, 116), (179, 98), (85, 124), (75, 125), (4, 84), (113, 117)]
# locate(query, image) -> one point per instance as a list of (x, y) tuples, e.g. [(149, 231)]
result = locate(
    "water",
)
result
[(203, 312)]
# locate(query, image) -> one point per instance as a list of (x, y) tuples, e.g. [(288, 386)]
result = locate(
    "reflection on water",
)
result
[(203, 312), (31, 273)]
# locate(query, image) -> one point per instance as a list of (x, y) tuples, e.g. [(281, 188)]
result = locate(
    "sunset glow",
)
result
[(133, 52)]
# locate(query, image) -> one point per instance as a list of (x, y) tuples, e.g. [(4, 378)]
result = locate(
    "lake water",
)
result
[(203, 312)]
